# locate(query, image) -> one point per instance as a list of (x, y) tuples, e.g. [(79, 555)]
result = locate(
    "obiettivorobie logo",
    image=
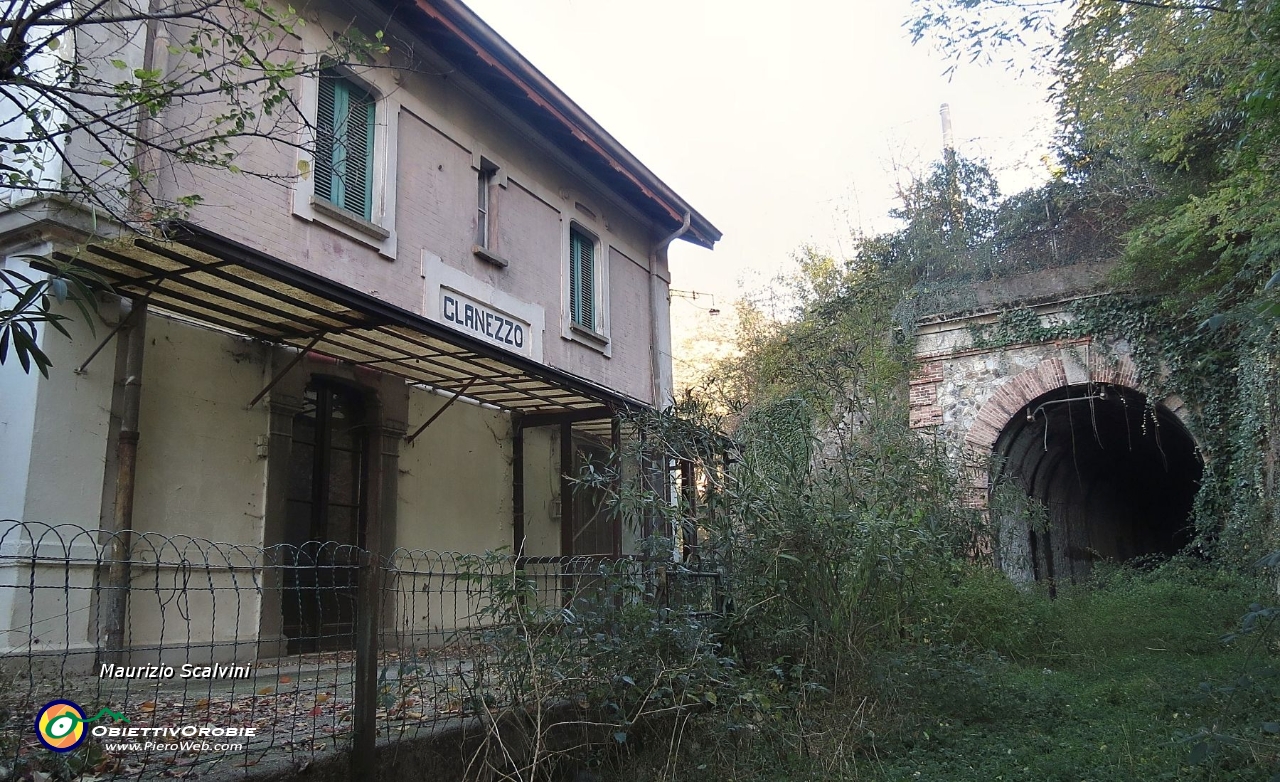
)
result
[(60, 724)]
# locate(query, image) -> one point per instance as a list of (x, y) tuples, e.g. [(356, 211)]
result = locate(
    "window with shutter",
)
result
[(582, 279), (344, 145)]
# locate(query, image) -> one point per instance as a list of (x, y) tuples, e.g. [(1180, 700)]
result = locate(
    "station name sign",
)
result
[(484, 322)]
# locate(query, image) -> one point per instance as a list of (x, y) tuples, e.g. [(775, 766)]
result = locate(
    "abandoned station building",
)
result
[(408, 348)]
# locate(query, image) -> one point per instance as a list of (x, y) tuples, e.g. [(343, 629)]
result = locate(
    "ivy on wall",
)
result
[(1225, 370)]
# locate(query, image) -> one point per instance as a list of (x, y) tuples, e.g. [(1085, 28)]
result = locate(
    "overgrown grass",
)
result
[(1126, 678), (867, 642)]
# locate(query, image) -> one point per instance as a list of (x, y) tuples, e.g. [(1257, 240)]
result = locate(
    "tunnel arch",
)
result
[(1116, 475)]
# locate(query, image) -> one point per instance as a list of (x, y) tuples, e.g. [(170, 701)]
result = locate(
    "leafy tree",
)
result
[(88, 89), (33, 305), (948, 221), (1170, 109), (1170, 106)]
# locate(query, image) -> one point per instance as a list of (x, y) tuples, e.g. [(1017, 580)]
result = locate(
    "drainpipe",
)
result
[(115, 600), (659, 326), (659, 338), (155, 56)]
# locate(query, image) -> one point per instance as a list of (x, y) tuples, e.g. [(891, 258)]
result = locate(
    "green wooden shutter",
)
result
[(588, 283), (325, 138), (341, 141), (344, 145), (358, 179), (582, 280), (575, 276)]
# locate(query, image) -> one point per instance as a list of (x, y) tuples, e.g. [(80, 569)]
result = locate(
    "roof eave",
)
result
[(494, 50)]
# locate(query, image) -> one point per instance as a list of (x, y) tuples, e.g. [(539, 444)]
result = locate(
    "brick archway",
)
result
[(1116, 480), (1018, 391)]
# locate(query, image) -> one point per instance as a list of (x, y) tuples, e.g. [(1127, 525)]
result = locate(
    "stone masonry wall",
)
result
[(965, 395)]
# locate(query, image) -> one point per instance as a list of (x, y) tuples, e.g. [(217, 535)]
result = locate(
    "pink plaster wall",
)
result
[(435, 203)]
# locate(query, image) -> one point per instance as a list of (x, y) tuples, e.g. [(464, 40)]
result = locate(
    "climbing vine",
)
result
[(845, 343)]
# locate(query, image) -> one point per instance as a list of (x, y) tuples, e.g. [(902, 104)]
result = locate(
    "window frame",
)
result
[(344, 92), (491, 180), (379, 231), (595, 336), (484, 206)]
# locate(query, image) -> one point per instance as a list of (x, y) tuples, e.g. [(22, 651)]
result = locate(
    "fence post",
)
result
[(364, 705)]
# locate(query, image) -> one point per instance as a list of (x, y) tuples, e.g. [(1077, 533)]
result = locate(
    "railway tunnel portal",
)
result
[(1111, 473)]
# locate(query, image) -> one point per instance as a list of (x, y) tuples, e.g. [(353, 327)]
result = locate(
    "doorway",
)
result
[(595, 524), (326, 520)]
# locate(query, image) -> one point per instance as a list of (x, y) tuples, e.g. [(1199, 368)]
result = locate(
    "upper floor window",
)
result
[(344, 145), (583, 276), (484, 204), (489, 183)]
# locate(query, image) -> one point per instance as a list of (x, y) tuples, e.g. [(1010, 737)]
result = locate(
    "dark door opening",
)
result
[(326, 519), (593, 523), (589, 528), (1116, 477)]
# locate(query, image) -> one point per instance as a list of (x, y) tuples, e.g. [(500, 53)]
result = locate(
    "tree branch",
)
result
[(1175, 6)]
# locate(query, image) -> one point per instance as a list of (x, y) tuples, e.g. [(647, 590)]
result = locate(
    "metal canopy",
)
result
[(211, 280)]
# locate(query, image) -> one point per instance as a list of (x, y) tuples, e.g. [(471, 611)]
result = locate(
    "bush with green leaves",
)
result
[(829, 552), (581, 658)]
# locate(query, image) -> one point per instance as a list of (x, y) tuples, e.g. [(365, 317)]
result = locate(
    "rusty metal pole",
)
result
[(517, 487), (114, 604), (364, 739), (567, 519), (567, 513), (115, 600), (615, 445)]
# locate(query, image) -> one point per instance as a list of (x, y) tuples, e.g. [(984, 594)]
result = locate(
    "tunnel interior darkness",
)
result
[(1116, 478)]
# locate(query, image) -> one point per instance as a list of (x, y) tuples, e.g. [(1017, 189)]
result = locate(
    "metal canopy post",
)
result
[(615, 445), (566, 489), (115, 608), (517, 487), (566, 511)]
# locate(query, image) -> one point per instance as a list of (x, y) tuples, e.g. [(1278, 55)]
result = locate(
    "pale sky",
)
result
[(782, 123)]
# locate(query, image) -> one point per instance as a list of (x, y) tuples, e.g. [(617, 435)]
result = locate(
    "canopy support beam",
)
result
[(284, 371), (439, 412)]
